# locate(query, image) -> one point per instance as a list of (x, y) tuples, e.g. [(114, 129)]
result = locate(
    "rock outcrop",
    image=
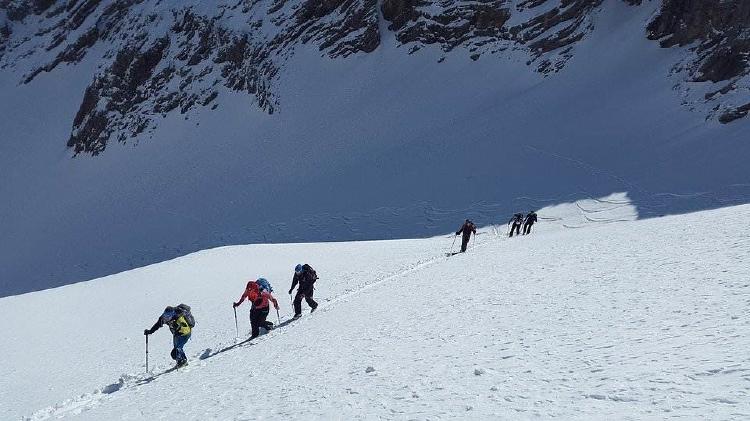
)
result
[(160, 57), (718, 32)]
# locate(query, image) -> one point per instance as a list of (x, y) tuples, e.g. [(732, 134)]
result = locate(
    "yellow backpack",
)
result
[(182, 326)]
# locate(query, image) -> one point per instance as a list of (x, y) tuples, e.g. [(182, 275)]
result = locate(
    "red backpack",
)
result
[(252, 291)]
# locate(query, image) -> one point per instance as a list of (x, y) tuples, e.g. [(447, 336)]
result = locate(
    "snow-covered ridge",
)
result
[(158, 56), (615, 319)]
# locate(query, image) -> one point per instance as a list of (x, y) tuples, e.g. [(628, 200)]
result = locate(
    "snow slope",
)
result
[(373, 146), (590, 317)]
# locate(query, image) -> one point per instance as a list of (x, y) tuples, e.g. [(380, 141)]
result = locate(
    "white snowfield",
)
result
[(642, 319)]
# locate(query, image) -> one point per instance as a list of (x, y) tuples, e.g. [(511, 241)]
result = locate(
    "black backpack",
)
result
[(310, 273), (185, 310)]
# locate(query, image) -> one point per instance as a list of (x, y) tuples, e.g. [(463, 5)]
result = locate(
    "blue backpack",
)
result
[(264, 285)]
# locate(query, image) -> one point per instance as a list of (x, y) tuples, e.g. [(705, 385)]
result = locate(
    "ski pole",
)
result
[(278, 316), (453, 244), (146, 353), (236, 326)]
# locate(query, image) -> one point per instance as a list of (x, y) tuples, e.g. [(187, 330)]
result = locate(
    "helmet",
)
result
[(298, 268), (169, 314)]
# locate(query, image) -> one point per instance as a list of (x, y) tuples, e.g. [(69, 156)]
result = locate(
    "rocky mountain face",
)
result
[(719, 35), (162, 56), (488, 27)]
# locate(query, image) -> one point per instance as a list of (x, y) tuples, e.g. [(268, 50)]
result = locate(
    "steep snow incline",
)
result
[(64, 341), (626, 320)]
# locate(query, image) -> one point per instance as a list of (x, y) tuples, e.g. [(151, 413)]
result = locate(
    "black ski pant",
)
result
[(527, 228), (258, 320), (308, 296), (517, 228), (465, 242)]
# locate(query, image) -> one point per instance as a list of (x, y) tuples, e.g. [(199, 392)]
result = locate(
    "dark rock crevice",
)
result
[(718, 31), (127, 84)]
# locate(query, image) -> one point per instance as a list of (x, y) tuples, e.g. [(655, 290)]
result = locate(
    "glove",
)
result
[(290, 291), (146, 332), (276, 306), (235, 305)]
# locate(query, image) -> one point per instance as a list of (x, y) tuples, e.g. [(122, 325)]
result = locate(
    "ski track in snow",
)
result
[(635, 320), (86, 401)]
